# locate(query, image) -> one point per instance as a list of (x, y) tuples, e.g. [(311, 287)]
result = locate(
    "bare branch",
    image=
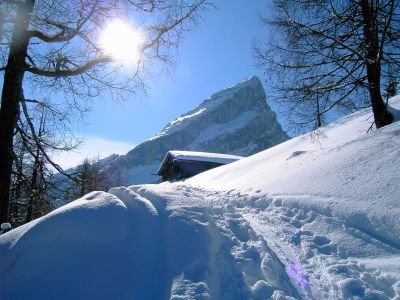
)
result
[(69, 72), (38, 143), (168, 27), (145, 6), (327, 36), (65, 33), (388, 20), (58, 37)]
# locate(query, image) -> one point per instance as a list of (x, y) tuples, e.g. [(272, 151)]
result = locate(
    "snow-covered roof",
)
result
[(199, 158), (217, 158)]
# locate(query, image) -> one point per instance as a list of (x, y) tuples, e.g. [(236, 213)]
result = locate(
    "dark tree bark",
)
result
[(319, 117), (382, 116), (33, 191), (11, 95)]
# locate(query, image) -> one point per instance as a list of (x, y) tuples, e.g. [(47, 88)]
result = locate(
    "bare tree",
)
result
[(39, 130), (336, 53), (90, 176), (84, 175), (51, 47)]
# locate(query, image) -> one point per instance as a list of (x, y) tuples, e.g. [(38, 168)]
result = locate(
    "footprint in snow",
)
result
[(296, 153)]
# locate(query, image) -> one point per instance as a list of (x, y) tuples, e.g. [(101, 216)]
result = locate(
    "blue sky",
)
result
[(217, 54)]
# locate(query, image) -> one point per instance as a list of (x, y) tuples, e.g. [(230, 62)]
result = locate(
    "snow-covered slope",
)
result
[(300, 220), (236, 120)]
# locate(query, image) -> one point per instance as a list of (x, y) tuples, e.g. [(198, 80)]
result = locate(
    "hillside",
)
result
[(301, 220)]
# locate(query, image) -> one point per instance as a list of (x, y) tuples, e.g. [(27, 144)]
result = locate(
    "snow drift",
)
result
[(301, 220)]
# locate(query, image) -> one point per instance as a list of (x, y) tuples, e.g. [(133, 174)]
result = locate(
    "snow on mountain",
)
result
[(236, 120), (301, 220)]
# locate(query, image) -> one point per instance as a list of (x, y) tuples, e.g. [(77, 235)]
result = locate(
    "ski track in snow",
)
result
[(185, 242), (261, 238), (241, 265)]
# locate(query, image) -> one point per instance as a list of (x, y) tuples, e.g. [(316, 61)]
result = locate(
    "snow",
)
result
[(5, 226), (252, 81), (179, 122), (301, 220), (211, 104), (216, 130)]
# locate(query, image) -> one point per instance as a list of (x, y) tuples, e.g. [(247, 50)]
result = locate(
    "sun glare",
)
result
[(122, 42)]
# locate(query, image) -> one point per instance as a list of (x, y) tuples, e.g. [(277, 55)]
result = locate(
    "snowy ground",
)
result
[(302, 220)]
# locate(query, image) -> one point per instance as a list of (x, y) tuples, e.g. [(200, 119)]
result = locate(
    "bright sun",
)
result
[(121, 42)]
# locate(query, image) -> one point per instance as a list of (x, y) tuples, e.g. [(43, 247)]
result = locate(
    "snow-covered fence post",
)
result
[(5, 227)]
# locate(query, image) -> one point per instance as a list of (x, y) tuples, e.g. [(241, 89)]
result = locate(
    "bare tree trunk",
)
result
[(11, 95), (82, 190), (33, 192), (381, 115), (16, 190), (319, 121)]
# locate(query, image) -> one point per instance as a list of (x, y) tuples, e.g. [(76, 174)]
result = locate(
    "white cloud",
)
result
[(92, 147)]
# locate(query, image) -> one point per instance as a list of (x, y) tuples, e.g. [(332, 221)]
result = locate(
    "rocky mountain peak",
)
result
[(236, 120)]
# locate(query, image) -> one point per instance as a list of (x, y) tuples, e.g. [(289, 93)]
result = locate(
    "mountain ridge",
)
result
[(236, 120)]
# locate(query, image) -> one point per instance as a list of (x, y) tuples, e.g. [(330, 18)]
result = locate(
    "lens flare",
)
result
[(295, 271)]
